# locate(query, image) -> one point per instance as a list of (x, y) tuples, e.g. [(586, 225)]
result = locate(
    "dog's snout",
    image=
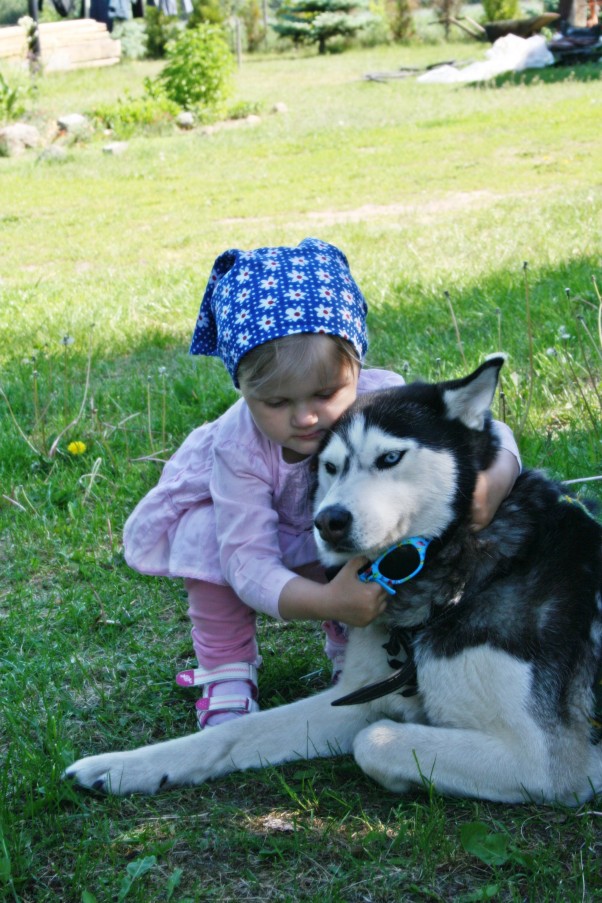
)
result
[(333, 523)]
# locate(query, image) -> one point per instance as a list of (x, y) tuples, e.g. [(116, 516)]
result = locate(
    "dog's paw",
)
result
[(175, 763), (119, 773)]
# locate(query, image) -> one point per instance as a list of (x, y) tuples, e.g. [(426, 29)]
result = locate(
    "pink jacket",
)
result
[(228, 480)]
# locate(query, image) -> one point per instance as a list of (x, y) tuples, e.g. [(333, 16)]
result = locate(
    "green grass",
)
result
[(428, 189)]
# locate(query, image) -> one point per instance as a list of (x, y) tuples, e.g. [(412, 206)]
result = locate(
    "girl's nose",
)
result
[(304, 416)]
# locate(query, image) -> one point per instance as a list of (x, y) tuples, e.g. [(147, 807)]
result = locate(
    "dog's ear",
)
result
[(469, 399)]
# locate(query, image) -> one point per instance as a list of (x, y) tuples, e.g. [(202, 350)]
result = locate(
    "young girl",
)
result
[(232, 511)]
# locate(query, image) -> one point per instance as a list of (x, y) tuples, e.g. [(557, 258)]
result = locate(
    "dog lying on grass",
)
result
[(480, 677)]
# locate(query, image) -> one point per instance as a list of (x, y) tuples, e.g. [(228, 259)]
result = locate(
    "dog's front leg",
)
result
[(303, 730), (148, 768), (456, 761)]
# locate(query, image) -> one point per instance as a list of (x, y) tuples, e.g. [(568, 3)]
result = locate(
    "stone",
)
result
[(16, 138), (185, 120), (279, 107), (54, 153), (73, 123), (115, 147)]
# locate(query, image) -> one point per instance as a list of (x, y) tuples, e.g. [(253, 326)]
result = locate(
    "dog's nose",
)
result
[(333, 523)]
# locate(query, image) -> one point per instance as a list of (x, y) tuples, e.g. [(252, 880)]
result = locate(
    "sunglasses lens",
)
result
[(400, 563)]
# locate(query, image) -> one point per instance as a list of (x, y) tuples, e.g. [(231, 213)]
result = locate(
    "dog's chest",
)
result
[(479, 688)]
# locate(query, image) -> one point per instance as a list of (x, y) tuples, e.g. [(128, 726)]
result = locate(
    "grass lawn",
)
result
[(103, 260)]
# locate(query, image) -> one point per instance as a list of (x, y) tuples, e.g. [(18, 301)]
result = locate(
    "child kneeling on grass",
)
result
[(232, 510)]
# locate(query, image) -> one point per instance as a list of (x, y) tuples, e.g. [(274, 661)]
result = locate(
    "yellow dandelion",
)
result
[(76, 448)]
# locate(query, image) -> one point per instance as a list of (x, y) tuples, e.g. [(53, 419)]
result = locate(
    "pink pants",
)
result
[(224, 628)]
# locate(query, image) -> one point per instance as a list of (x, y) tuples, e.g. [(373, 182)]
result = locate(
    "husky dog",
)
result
[(480, 677)]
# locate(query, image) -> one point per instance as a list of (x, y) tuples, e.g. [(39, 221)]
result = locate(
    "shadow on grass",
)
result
[(560, 427), (148, 400), (414, 330), (579, 72)]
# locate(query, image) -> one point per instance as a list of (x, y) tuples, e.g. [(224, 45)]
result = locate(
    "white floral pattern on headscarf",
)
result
[(253, 297)]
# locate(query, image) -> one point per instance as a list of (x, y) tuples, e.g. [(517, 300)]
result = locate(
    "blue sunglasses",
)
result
[(398, 564)]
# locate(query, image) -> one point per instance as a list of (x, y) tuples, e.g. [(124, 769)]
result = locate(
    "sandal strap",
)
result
[(194, 677), (219, 705), (215, 704)]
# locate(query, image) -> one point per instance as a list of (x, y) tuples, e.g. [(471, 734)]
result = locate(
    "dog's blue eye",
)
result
[(330, 468), (389, 459)]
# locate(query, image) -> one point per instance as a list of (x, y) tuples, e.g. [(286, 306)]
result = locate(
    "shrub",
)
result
[(401, 20), (12, 100), (319, 21), (160, 30), (199, 69), (497, 10), (243, 108), (11, 11), (151, 112), (132, 34), (252, 19), (208, 12)]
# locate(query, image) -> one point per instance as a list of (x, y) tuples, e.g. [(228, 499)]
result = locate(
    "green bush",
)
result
[(497, 10), (251, 16), (206, 12), (401, 20), (152, 112), (11, 11), (320, 21), (242, 109), (12, 100), (132, 35), (199, 69), (160, 30)]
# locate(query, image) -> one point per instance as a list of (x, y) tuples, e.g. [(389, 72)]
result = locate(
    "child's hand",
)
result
[(492, 487), (344, 599), (352, 601)]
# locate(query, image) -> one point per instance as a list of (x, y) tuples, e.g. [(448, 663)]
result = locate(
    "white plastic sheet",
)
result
[(508, 54)]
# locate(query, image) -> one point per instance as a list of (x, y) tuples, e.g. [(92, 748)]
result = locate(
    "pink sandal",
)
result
[(235, 704)]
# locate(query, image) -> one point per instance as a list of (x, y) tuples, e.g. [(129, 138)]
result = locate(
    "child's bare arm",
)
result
[(344, 599), (492, 487)]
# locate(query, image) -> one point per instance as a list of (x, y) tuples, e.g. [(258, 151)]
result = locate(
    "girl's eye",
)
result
[(330, 468), (324, 396), (276, 403), (389, 459)]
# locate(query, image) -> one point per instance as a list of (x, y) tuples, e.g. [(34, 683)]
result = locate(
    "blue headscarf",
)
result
[(253, 297)]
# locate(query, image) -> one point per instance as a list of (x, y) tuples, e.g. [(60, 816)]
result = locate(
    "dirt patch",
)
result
[(457, 200)]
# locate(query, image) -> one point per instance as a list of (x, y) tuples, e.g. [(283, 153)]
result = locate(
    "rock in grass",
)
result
[(16, 138), (73, 123), (53, 154), (185, 120), (115, 148)]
